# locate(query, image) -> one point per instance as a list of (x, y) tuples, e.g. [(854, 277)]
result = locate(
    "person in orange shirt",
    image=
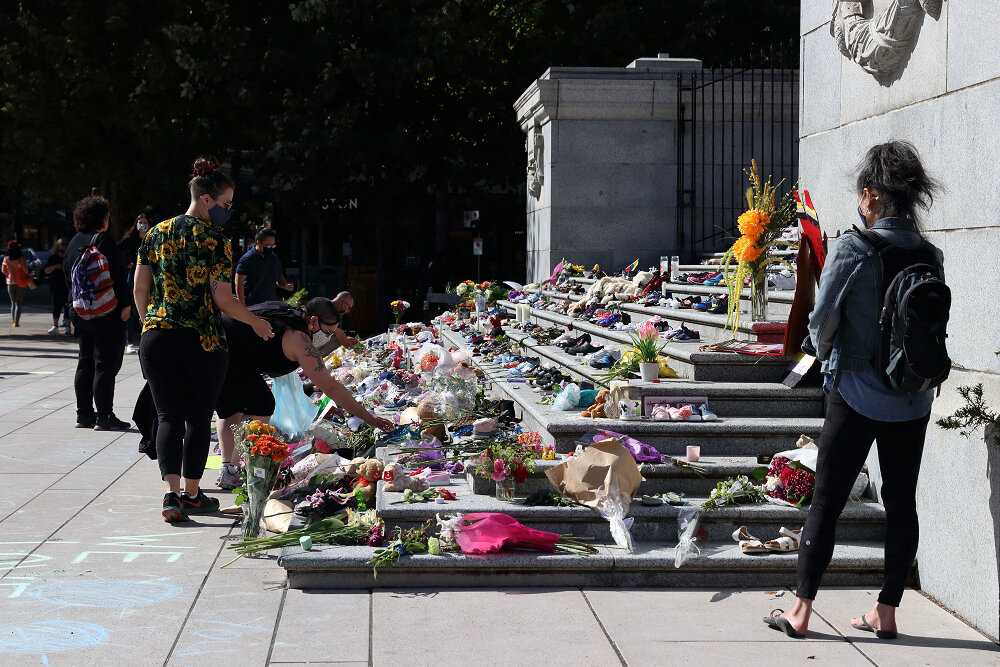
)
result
[(15, 267)]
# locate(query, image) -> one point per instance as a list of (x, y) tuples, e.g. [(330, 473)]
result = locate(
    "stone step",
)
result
[(685, 357), (860, 521), (657, 478), (711, 326), (729, 436), (729, 399), (649, 565)]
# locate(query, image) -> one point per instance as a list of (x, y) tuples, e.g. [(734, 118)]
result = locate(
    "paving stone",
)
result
[(500, 627), (929, 635), (311, 618)]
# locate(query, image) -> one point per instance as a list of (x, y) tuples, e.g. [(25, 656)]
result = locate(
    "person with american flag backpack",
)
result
[(94, 271)]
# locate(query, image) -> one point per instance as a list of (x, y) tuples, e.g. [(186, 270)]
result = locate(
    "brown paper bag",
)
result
[(278, 515), (581, 476)]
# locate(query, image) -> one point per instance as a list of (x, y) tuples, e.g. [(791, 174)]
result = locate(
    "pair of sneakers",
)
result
[(107, 422), (177, 507), (682, 412)]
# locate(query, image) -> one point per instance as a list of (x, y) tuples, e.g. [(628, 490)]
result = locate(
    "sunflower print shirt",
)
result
[(185, 255)]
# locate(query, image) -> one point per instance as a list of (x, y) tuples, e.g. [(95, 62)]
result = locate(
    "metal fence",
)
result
[(728, 116)]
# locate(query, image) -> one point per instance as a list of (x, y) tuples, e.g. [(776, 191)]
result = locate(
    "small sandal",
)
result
[(652, 501), (789, 540), (778, 622), (748, 543), (881, 634)]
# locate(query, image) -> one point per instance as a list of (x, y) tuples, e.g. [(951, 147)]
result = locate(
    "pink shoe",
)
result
[(684, 413)]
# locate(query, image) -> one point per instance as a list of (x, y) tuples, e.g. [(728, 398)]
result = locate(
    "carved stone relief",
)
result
[(535, 146), (879, 44)]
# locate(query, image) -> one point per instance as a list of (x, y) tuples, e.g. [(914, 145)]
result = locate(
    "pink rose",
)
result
[(500, 471)]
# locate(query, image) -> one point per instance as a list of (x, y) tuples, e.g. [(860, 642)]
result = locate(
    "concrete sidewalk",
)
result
[(91, 575)]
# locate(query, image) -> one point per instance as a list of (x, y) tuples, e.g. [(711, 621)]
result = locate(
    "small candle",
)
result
[(693, 453), (306, 543)]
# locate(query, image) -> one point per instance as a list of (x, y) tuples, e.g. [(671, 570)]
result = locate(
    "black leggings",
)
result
[(102, 345), (185, 382), (60, 304), (843, 447)]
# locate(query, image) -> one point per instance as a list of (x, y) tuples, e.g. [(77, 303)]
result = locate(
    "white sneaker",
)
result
[(54, 329), (706, 414), (131, 349)]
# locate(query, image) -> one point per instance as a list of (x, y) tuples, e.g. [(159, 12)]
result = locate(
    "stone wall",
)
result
[(944, 101)]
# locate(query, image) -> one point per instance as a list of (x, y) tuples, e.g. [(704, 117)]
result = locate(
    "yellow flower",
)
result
[(171, 294), (165, 226), (168, 250), (753, 222), (196, 275), (186, 295), (744, 250), (197, 229), (152, 257), (229, 252), (210, 243), (182, 242), (161, 312)]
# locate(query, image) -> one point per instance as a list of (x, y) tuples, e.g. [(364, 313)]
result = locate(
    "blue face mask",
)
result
[(864, 220), (219, 215)]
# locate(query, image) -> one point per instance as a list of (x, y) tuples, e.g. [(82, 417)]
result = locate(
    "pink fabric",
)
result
[(487, 532)]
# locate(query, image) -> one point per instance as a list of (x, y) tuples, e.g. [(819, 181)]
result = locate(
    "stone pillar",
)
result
[(602, 172)]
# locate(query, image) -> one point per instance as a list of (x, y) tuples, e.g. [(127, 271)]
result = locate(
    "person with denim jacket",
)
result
[(891, 185)]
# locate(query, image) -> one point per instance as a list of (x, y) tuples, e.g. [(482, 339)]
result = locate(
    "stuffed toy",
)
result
[(432, 407), (597, 410), (368, 472), (400, 481)]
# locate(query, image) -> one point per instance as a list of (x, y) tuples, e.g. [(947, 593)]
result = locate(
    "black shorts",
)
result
[(244, 391)]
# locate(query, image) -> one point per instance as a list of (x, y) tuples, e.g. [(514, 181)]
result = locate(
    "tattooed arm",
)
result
[(298, 347), (222, 295)]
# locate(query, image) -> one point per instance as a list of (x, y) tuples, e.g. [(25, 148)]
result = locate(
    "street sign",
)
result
[(471, 217), (477, 246)]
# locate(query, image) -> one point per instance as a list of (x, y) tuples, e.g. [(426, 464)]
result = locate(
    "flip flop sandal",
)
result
[(748, 543), (789, 540), (778, 622), (881, 634), (676, 499), (652, 501)]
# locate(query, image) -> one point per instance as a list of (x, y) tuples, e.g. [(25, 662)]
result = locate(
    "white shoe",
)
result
[(54, 329), (131, 349), (706, 414)]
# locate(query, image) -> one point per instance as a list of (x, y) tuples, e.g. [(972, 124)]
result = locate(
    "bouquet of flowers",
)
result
[(733, 491), (646, 341), (263, 454), (788, 481), (484, 292), (501, 463), (398, 308), (760, 228)]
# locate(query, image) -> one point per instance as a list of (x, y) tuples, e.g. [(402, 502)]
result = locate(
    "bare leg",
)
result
[(173, 483), (227, 442), (880, 617), (799, 614)]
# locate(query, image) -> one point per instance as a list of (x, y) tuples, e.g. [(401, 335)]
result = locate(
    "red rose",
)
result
[(520, 474)]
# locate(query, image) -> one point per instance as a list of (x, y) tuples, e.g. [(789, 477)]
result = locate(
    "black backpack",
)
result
[(910, 350), (279, 311)]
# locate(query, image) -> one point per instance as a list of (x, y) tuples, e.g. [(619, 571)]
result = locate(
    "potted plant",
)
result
[(646, 341)]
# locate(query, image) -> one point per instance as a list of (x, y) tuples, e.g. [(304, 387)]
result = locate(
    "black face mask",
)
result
[(266, 251), (219, 215)]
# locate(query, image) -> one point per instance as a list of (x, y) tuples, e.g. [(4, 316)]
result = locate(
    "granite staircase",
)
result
[(757, 415)]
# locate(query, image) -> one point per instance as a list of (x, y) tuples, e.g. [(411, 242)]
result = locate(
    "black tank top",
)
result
[(248, 349)]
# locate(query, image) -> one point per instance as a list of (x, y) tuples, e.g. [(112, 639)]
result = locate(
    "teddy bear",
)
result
[(368, 472), (597, 410), (432, 408), (397, 480)]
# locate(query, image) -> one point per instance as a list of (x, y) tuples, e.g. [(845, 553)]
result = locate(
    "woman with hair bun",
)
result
[(183, 286), (892, 186)]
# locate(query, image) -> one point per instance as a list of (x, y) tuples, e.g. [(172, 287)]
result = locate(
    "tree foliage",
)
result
[(324, 95)]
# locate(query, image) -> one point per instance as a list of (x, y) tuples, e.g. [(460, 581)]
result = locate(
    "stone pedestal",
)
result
[(602, 164)]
